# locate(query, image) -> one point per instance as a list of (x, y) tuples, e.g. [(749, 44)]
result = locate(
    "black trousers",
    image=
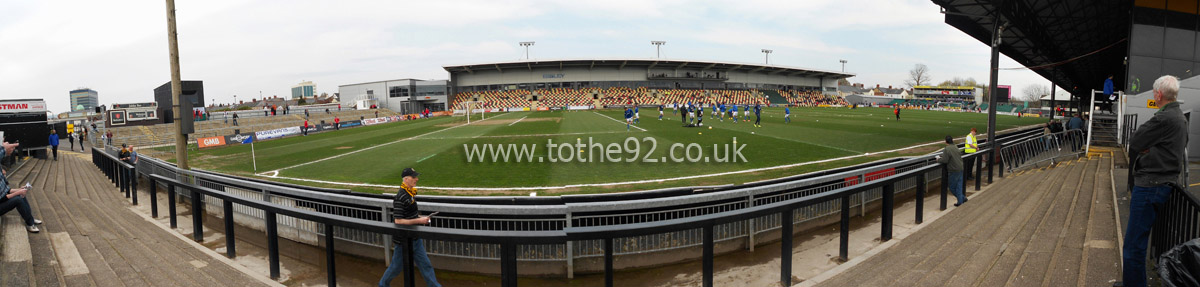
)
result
[(55, 149)]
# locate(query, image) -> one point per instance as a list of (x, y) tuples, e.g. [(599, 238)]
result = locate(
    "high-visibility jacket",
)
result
[(970, 142)]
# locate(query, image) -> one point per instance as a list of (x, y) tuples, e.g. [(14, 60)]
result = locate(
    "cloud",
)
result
[(243, 47)]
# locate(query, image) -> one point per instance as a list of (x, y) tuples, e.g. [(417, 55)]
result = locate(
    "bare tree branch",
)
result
[(1033, 93), (918, 76)]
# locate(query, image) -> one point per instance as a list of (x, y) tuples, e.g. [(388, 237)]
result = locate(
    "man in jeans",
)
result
[(1159, 148), (952, 158), (404, 211), (14, 198)]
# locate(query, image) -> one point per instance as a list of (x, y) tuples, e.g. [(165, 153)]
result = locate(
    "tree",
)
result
[(843, 82), (918, 76), (1033, 93)]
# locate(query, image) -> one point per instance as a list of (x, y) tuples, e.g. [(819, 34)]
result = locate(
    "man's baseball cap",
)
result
[(409, 172)]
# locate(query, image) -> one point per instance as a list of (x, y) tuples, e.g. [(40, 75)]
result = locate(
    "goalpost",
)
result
[(471, 109)]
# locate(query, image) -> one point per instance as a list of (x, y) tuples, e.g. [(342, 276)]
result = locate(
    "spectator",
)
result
[(54, 143), (954, 169), (15, 198), (1158, 147), (405, 212), (337, 123), (305, 129), (970, 147), (235, 117)]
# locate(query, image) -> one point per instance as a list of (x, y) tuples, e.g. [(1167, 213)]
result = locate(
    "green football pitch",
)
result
[(459, 158)]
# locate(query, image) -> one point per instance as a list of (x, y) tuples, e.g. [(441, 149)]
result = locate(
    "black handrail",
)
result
[(120, 173), (1178, 222), (509, 240)]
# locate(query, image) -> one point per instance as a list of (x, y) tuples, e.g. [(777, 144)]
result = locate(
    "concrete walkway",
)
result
[(92, 238), (1045, 227)]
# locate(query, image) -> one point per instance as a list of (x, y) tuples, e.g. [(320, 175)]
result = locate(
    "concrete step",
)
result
[(1041, 227)]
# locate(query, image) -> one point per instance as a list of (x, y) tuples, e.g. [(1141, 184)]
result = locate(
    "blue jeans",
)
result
[(21, 205), (1144, 204), (956, 186), (419, 258)]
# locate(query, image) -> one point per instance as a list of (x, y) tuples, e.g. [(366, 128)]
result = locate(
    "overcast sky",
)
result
[(119, 48)]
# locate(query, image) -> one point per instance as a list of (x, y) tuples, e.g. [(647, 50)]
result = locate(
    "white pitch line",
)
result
[(615, 183), (518, 120), (381, 145), (611, 118), (525, 135)]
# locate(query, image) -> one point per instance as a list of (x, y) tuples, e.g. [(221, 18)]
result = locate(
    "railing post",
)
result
[(844, 246), (785, 248), (133, 184), (608, 262), (750, 224), (570, 250), (330, 270), (999, 146), (945, 184), (888, 202), (708, 256), (979, 171), (153, 198), (197, 215), (921, 182), (171, 205), (273, 244), (230, 249), (124, 179), (410, 279), (508, 265), (387, 238)]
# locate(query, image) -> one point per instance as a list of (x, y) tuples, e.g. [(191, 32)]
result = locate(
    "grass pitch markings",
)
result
[(379, 145), (521, 136), (615, 120), (517, 121), (624, 182)]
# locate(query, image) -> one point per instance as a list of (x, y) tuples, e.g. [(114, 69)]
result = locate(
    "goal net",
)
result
[(471, 110)]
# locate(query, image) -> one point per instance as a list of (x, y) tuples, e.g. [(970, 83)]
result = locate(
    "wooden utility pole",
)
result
[(181, 157)]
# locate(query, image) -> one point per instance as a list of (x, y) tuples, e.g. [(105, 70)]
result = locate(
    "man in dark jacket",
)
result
[(952, 158), (1158, 147)]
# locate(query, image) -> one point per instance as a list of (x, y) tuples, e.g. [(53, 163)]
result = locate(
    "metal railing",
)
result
[(559, 213), (120, 173), (1178, 222), (1039, 148), (510, 240), (1128, 127)]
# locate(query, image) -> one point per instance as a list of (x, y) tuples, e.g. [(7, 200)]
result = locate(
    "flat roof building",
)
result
[(84, 99)]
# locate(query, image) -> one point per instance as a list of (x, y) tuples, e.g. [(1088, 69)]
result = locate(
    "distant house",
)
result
[(890, 92), (855, 89)]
